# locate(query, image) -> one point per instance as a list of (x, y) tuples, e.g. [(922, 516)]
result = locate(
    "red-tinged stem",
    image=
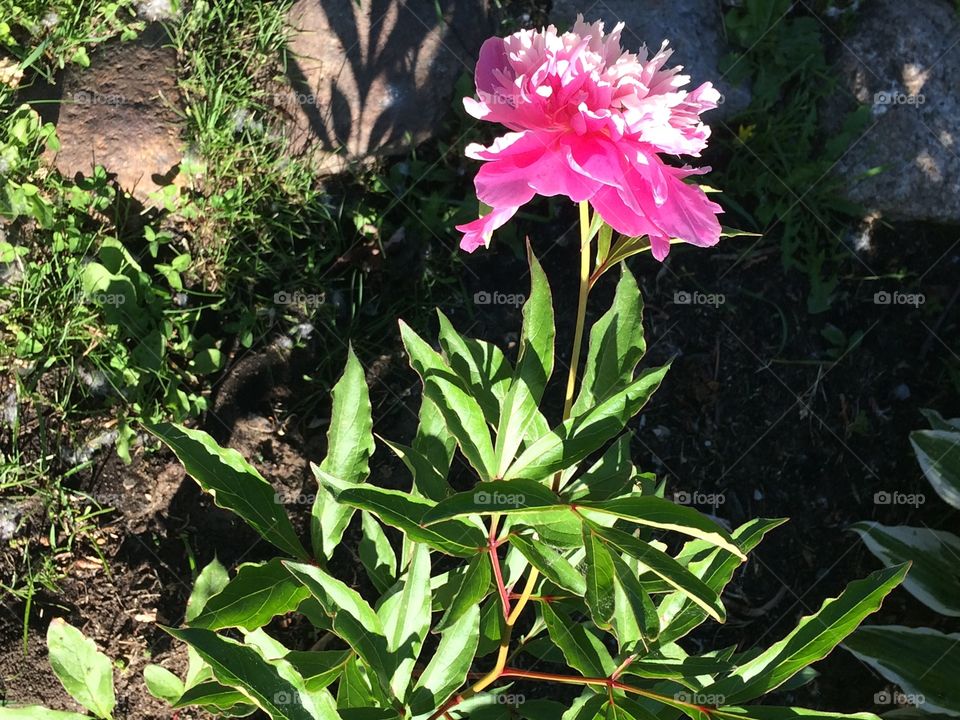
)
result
[(497, 573), (608, 683), (623, 666)]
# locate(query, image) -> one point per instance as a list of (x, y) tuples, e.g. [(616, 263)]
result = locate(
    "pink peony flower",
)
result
[(589, 121)]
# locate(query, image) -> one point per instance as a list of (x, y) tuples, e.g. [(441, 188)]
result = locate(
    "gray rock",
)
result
[(693, 27), (903, 59), (121, 113), (371, 77)]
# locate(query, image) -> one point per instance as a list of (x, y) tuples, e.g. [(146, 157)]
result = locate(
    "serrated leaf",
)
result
[(376, 554), (256, 594), (534, 367), (551, 564), (349, 447), (934, 577), (659, 513), (85, 672), (461, 411), (938, 452), (448, 668), (243, 668), (922, 661), (494, 498), (664, 567), (813, 639), (405, 512), (616, 346), (234, 484), (575, 438), (583, 651)]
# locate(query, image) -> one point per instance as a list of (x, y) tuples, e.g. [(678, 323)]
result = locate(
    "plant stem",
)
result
[(534, 574)]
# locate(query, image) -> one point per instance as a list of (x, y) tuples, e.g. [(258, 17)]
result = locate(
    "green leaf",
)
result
[(761, 712), (677, 668), (258, 593), (588, 706), (934, 578), (211, 580), (494, 498), (551, 564), (448, 668), (558, 527), (611, 475), (534, 366), (162, 684), (679, 615), (243, 668), (813, 639), (656, 512), (234, 484), (480, 365), (461, 411), (583, 651), (600, 586), (664, 567), (938, 422), (938, 452), (318, 668), (405, 512), (616, 346), (216, 698), (85, 672), (434, 443), (376, 554), (352, 619), (575, 438), (475, 586), (38, 712), (635, 617), (923, 662), (406, 618), (349, 447)]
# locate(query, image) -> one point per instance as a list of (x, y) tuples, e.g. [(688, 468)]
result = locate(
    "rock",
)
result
[(903, 59), (120, 113), (367, 77), (693, 27)]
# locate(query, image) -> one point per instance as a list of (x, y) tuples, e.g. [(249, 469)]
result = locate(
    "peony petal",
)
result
[(477, 234)]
